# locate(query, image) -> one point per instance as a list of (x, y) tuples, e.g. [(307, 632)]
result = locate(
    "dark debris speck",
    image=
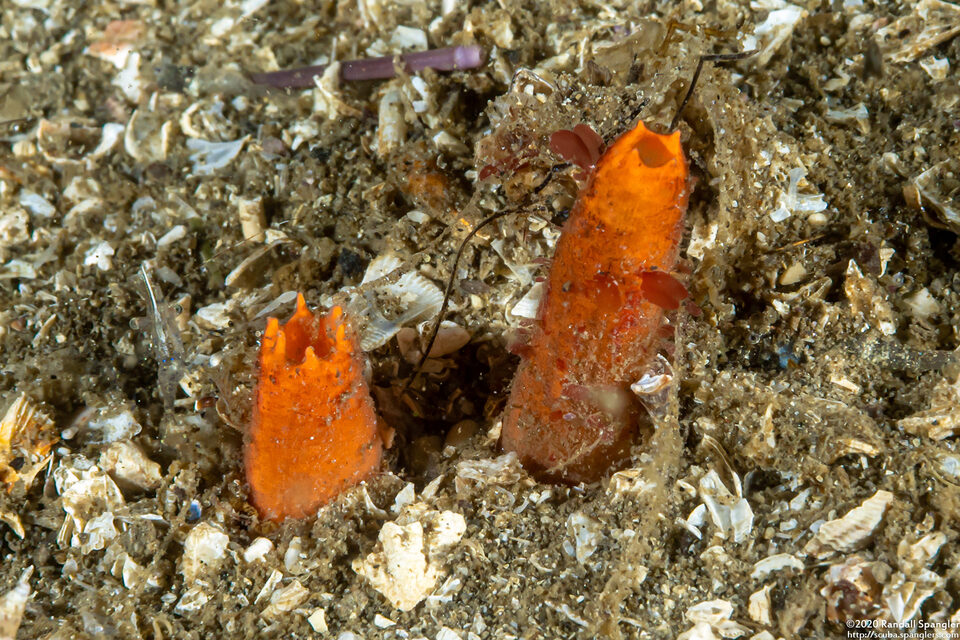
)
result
[(352, 265)]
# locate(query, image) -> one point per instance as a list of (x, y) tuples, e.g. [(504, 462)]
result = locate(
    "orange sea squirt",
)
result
[(571, 415), (314, 427)]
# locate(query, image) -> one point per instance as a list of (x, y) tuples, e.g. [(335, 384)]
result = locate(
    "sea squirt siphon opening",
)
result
[(652, 151)]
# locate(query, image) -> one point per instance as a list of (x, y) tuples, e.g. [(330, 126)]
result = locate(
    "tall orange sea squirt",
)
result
[(571, 414), (314, 428)]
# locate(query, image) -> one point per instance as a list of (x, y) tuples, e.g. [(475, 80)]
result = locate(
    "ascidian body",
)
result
[(314, 430), (571, 415)]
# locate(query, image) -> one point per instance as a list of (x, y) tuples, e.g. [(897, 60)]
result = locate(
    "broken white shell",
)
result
[(758, 606), (215, 316), (942, 419), (36, 204), (12, 605), (728, 513), (110, 424), (126, 462), (100, 255), (904, 595), (257, 550), (505, 469), (208, 157), (147, 137), (868, 300), (13, 521), (773, 32), (318, 620), (89, 497), (204, 548), (712, 618), (851, 587), (405, 565), (392, 129), (286, 599), (587, 533), (776, 562), (930, 23), (853, 530), (291, 557), (191, 601), (451, 337), (528, 305), (937, 189), (914, 557), (386, 303), (632, 481)]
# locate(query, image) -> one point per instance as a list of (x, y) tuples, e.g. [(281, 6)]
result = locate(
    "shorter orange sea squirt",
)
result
[(571, 415), (314, 430)]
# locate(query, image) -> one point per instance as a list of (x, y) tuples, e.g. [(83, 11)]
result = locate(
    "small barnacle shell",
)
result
[(914, 557), (89, 498), (853, 530), (936, 187)]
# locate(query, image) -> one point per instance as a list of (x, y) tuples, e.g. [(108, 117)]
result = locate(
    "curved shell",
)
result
[(853, 530)]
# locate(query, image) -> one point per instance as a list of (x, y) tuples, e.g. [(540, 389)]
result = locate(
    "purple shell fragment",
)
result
[(446, 59)]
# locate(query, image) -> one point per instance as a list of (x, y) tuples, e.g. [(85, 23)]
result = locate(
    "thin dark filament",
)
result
[(453, 272), (714, 57), (449, 289)]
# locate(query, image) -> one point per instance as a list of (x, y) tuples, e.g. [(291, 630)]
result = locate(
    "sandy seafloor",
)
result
[(803, 472)]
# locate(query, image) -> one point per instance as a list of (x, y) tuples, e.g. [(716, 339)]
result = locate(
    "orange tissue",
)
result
[(314, 428), (571, 415)]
